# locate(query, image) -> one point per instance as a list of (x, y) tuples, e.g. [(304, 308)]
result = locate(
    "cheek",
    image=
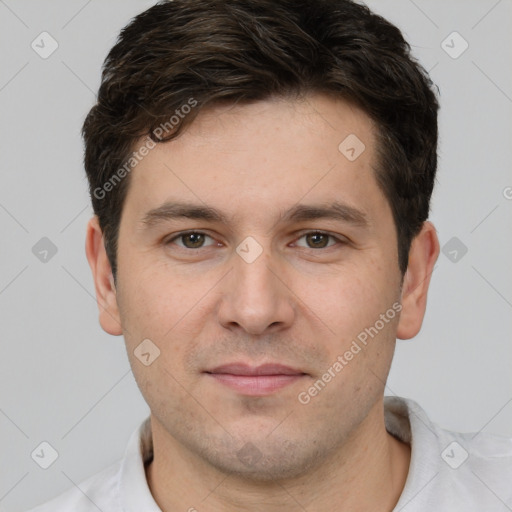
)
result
[(361, 342), (348, 300), (151, 296), (168, 308)]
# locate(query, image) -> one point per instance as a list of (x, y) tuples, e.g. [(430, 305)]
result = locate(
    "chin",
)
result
[(266, 462)]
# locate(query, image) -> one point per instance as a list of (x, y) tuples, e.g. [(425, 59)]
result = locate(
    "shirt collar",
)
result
[(134, 489), (408, 422)]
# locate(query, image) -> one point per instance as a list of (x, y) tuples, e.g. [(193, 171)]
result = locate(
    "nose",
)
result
[(255, 297)]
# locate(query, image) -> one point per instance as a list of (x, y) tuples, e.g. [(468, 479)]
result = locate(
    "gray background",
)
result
[(64, 381)]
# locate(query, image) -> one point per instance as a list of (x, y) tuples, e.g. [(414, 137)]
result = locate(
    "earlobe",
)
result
[(103, 280), (422, 258)]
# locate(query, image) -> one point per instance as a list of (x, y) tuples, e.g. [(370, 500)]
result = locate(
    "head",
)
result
[(307, 127)]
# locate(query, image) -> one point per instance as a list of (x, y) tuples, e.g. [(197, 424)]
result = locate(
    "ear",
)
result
[(422, 258), (110, 319)]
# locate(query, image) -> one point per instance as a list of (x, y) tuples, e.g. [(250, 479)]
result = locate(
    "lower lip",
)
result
[(255, 385)]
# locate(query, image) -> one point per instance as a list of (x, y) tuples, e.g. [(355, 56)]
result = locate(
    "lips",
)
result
[(255, 380), (264, 369)]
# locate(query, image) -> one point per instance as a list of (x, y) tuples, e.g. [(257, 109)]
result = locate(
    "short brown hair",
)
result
[(214, 51)]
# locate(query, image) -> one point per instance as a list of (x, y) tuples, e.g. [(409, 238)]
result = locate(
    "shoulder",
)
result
[(485, 460), (98, 492), (474, 471), (121, 485), (452, 470)]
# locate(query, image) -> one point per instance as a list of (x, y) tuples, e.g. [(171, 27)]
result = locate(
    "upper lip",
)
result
[(264, 369)]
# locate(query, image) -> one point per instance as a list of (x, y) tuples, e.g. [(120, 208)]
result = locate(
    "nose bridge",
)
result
[(255, 281), (254, 298)]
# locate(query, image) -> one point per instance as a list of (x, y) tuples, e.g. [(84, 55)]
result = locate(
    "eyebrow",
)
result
[(335, 211), (176, 210)]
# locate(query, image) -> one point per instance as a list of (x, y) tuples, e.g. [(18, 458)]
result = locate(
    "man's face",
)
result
[(296, 293)]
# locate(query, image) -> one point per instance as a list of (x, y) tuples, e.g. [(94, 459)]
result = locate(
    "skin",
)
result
[(297, 305)]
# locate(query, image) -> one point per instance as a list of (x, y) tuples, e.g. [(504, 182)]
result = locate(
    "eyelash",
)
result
[(313, 232)]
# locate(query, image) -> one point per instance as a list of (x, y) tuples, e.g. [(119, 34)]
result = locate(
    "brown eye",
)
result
[(317, 240), (191, 240)]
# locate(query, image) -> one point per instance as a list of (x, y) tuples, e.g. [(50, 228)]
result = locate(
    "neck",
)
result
[(367, 473)]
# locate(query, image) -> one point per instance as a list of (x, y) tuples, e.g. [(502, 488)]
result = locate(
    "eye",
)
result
[(317, 240), (191, 240)]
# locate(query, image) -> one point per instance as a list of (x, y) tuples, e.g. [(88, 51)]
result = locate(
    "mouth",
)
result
[(255, 380)]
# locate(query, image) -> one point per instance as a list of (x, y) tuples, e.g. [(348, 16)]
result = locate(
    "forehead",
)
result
[(251, 159)]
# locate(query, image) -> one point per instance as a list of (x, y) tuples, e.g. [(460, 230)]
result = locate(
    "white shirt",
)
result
[(449, 472)]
